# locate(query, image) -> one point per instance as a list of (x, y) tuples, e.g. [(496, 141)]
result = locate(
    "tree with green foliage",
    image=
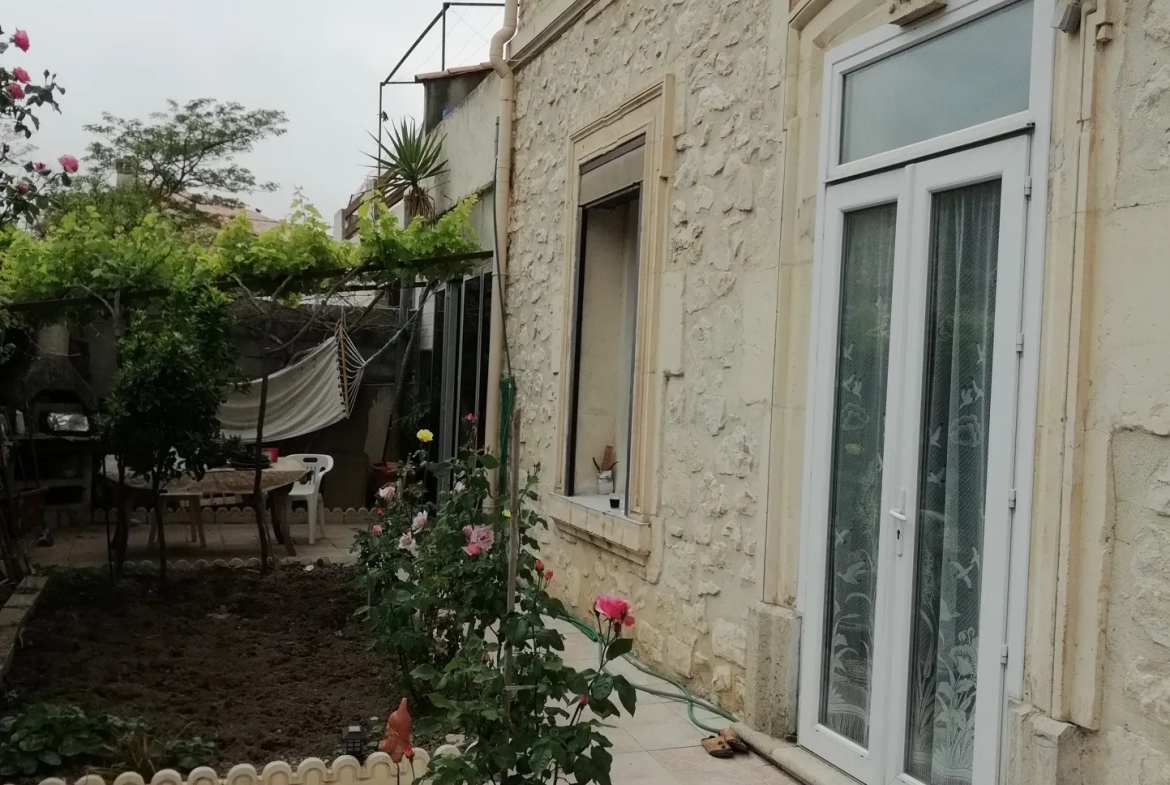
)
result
[(179, 160), (162, 415), (139, 273)]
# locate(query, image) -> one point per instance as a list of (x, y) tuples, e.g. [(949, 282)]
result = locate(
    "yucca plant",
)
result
[(409, 158)]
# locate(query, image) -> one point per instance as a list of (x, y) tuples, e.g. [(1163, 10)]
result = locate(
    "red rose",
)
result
[(15, 91), (19, 74), (611, 607), (539, 565), (21, 40), (40, 167)]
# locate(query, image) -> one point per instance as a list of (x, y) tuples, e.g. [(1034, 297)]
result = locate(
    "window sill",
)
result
[(590, 518)]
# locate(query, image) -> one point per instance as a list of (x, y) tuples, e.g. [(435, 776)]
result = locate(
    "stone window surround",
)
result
[(649, 113)]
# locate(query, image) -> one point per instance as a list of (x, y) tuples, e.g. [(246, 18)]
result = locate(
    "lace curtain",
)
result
[(953, 468), (952, 483), (855, 504)]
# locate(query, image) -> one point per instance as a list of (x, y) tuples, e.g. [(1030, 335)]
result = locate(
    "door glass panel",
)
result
[(867, 271), (969, 75), (952, 480)]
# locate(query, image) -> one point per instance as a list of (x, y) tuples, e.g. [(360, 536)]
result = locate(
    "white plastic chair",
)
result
[(309, 489)]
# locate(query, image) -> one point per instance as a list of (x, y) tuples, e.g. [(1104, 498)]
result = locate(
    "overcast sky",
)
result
[(319, 61)]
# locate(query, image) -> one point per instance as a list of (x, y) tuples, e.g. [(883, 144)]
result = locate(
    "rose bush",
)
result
[(428, 588), (23, 196), (436, 575)]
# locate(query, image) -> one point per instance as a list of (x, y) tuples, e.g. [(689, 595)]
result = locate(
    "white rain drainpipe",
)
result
[(502, 195)]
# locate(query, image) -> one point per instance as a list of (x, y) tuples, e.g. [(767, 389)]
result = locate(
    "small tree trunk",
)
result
[(257, 498), (401, 383), (122, 529), (159, 510)]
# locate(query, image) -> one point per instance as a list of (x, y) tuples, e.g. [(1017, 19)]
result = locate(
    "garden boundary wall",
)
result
[(14, 614)]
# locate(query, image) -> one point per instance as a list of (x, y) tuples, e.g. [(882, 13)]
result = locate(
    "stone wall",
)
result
[(1112, 660), (692, 597)]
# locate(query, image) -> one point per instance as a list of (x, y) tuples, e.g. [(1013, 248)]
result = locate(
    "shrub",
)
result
[(45, 736), (436, 575)]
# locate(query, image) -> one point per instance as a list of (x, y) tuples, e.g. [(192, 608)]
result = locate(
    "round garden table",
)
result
[(275, 483)]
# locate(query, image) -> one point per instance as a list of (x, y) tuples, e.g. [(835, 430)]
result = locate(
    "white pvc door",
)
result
[(911, 466)]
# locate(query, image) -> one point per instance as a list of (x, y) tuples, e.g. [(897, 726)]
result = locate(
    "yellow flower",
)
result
[(424, 435), (507, 513)]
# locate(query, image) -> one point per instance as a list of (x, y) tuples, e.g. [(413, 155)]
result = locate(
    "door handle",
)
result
[(899, 515)]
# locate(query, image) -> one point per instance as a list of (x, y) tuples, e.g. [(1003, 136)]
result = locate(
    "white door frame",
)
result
[(880, 189), (1036, 119), (1005, 161)]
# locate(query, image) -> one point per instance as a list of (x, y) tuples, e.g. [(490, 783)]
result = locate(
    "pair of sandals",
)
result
[(724, 744)]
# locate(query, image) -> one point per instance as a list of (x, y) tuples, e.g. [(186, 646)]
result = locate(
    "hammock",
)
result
[(313, 393)]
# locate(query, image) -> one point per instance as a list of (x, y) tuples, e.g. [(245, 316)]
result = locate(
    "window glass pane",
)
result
[(952, 482), (972, 74), (867, 274), (607, 304)]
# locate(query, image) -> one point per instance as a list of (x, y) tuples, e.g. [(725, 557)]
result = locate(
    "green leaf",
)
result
[(601, 688), (540, 758), (439, 701), (72, 745), (50, 758), (619, 648), (424, 672), (489, 461), (626, 693)]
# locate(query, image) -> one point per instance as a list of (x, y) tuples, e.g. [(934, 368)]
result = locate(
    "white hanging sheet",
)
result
[(313, 393)]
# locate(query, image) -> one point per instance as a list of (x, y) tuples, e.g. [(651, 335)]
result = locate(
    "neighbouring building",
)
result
[(460, 105), (862, 304)]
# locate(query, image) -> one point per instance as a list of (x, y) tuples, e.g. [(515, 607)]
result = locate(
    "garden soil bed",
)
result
[(269, 668)]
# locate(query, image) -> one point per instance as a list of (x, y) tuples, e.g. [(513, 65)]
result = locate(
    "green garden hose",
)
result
[(683, 693), (507, 405)]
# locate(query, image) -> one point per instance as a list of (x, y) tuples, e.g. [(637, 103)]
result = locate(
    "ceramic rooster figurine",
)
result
[(396, 742)]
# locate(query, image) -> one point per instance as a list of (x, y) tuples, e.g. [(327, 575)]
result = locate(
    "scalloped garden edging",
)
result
[(378, 769)]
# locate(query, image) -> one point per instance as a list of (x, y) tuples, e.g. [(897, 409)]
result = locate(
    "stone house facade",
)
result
[(863, 301)]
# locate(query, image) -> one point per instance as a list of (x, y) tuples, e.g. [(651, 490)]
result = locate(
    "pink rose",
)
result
[(405, 542), (68, 163), (40, 167), (584, 699), (386, 492), (22, 187), (471, 416), (419, 522), (629, 620), (472, 549), (467, 532), (21, 40), (539, 565), (376, 530), (548, 577), (15, 91), (611, 607), (19, 74), (484, 537)]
